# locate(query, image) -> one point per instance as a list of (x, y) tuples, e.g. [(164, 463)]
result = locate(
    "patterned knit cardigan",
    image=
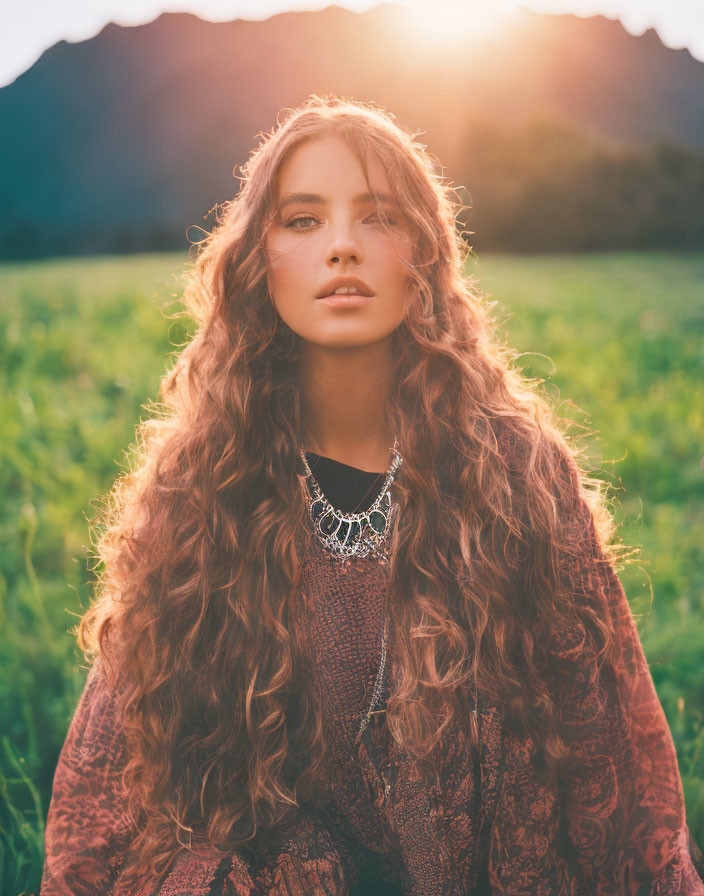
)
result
[(614, 824)]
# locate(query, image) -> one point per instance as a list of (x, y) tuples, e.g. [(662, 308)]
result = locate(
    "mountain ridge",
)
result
[(141, 127)]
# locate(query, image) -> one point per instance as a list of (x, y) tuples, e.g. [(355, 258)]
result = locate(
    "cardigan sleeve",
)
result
[(621, 791), (88, 825), (614, 823)]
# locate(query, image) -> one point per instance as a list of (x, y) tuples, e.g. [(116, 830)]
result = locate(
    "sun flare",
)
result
[(441, 22)]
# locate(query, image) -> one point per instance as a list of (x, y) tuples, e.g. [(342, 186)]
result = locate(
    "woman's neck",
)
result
[(343, 393)]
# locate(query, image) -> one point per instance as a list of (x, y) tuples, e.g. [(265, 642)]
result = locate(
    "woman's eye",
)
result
[(389, 219), (294, 221)]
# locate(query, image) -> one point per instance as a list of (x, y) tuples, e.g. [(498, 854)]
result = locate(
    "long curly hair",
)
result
[(199, 543)]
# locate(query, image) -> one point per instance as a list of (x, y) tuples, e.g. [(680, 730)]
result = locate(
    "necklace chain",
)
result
[(360, 535), (379, 683)]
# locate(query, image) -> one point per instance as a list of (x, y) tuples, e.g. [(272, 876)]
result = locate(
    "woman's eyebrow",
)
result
[(317, 199)]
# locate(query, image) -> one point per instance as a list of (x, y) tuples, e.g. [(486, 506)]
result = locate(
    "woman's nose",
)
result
[(343, 243)]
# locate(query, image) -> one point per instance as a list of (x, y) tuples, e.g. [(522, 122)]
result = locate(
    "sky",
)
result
[(30, 27)]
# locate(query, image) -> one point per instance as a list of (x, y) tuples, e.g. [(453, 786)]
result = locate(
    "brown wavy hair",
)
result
[(200, 546)]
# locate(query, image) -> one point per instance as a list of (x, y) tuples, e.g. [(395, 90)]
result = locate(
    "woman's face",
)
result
[(333, 232)]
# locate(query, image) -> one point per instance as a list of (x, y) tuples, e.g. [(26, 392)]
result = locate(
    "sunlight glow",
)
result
[(447, 21)]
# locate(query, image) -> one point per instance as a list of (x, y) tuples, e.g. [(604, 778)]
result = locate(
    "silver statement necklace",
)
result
[(353, 534), (359, 535)]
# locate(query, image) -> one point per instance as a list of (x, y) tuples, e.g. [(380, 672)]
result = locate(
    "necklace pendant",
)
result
[(352, 534)]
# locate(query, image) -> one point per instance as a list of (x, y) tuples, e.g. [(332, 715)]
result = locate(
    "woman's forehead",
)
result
[(327, 166)]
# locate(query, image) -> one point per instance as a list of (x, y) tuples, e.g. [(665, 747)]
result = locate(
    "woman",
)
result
[(358, 623)]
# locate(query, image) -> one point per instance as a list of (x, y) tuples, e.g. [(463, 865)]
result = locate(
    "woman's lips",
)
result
[(353, 300)]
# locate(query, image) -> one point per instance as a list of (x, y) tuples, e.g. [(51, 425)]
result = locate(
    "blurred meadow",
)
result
[(617, 338)]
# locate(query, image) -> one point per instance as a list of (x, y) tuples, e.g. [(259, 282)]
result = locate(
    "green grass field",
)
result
[(617, 338)]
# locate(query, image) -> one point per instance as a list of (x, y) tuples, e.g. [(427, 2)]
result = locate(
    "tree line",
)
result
[(544, 185), (548, 186)]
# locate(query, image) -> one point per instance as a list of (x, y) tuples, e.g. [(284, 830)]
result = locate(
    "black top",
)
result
[(347, 488)]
